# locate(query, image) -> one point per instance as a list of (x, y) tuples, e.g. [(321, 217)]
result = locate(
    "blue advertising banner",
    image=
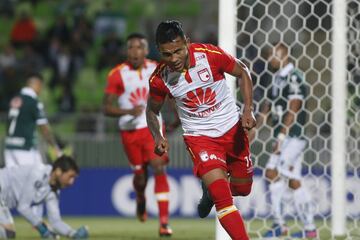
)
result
[(109, 192)]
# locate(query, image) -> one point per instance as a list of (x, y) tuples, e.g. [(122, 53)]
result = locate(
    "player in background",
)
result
[(30, 185), (284, 110), (214, 130), (125, 97), (26, 112)]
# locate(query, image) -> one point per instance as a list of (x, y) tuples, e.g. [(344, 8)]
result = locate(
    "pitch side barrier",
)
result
[(109, 192)]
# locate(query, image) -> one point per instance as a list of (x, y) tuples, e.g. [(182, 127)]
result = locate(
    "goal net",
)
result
[(306, 28)]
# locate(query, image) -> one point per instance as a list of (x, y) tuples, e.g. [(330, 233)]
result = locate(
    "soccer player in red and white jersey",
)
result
[(214, 130), (127, 84)]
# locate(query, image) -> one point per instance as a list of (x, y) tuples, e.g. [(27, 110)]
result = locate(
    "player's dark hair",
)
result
[(135, 35), (168, 31), (34, 75), (66, 163)]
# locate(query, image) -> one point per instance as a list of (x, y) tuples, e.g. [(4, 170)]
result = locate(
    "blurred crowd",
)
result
[(62, 48), (61, 45)]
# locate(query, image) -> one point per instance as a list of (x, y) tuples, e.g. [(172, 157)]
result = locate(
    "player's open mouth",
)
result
[(178, 66)]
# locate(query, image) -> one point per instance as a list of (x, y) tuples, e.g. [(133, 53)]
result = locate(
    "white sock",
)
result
[(2, 233), (304, 207), (277, 190)]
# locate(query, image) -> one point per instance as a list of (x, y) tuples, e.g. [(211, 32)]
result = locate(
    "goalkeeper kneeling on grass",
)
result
[(26, 186)]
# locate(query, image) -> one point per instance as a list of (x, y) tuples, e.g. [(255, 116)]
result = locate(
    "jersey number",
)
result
[(248, 161), (13, 115)]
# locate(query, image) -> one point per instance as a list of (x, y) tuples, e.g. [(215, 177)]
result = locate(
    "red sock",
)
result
[(227, 213), (234, 225), (162, 196)]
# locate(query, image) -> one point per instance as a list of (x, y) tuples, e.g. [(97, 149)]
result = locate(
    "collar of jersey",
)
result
[(29, 92), (132, 68), (191, 56)]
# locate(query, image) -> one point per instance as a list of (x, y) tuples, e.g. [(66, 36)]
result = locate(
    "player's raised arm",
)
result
[(152, 117), (240, 70), (50, 139)]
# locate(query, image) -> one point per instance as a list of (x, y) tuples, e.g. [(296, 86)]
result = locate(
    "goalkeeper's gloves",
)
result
[(81, 233), (44, 231)]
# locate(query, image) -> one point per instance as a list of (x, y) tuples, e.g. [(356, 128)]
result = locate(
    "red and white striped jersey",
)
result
[(132, 87), (205, 104)]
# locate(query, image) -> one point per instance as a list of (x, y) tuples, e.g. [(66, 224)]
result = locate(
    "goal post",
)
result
[(227, 41), (338, 161)]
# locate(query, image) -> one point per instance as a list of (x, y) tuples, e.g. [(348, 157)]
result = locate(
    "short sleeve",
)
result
[(221, 59), (114, 84), (40, 114), (158, 90)]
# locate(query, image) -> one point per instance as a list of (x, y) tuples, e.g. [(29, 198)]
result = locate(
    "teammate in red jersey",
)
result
[(214, 130), (127, 84)]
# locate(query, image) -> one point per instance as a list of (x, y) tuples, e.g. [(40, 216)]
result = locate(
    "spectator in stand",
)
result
[(111, 52), (7, 8), (8, 76), (30, 61), (63, 69), (24, 30), (7, 57), (60, 30)]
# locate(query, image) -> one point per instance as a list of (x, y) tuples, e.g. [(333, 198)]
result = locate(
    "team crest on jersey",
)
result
[(199, 97), (204, 156), (139, 96), (38, 185), (204, 75)]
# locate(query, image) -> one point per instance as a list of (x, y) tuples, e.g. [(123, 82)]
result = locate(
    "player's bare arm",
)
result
[(287, 121), (289, 118), (111, 110), (241, 71), (50, 139), (261, 118), (152, 114), (176, 123)]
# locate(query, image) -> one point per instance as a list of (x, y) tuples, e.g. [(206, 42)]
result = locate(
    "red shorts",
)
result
[(230, 152), (139, 146)]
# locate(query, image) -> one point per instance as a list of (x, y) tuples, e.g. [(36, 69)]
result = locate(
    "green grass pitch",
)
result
[(130, 228)]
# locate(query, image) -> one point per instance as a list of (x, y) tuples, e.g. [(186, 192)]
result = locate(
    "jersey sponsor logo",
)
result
[(199, 97), (139, 96), (204, 75)]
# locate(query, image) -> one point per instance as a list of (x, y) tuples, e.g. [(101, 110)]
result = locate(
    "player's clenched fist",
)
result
[(161, 146), (248, 120)]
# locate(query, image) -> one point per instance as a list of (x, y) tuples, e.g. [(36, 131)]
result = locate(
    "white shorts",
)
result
[(17, 157), (288, 162)]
